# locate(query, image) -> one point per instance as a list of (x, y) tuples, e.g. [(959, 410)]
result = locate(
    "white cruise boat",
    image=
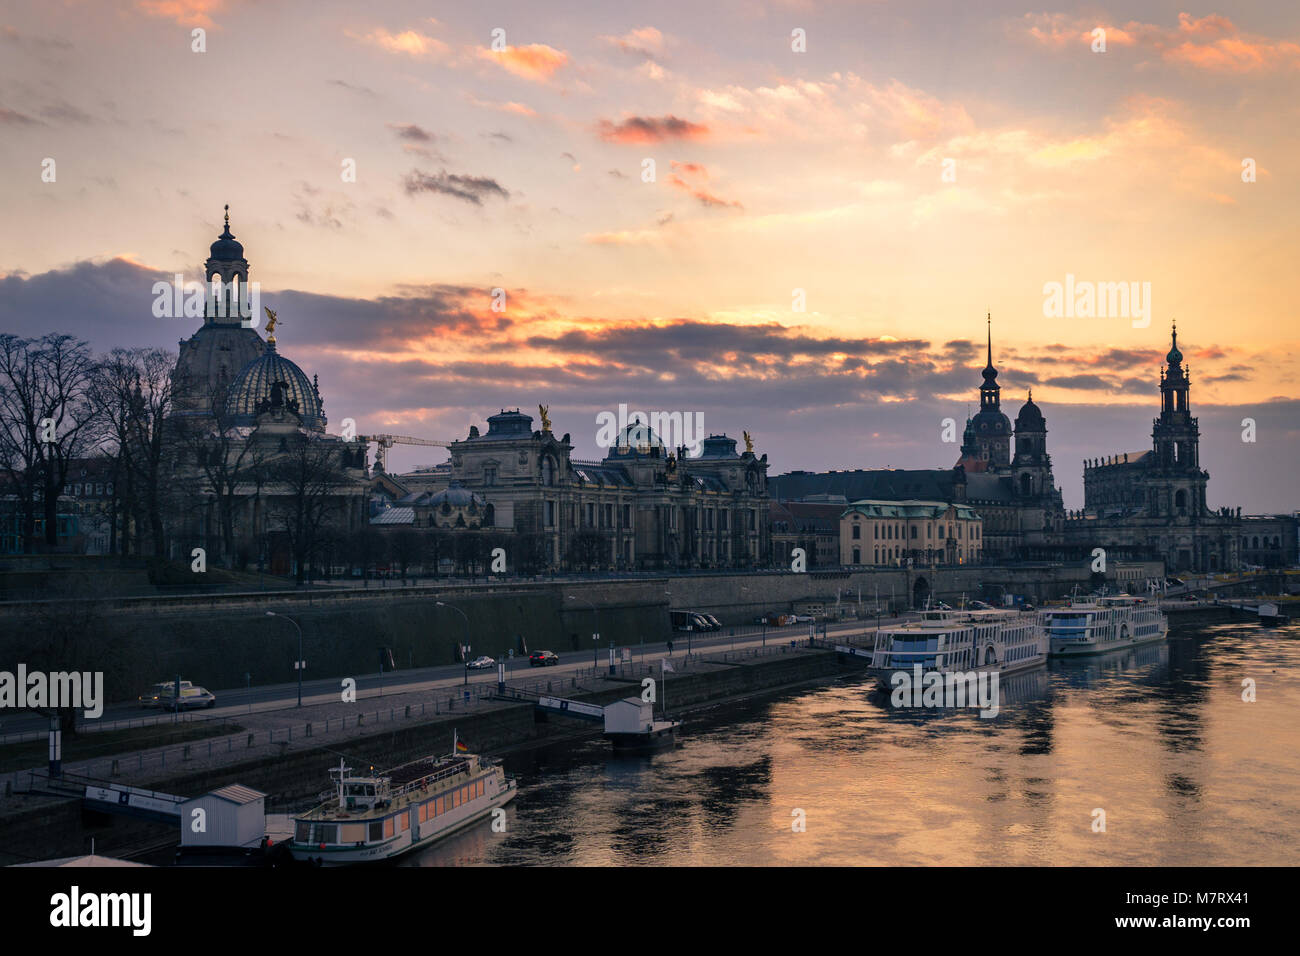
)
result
[(372, 817), (1103, 624), (991, 641)]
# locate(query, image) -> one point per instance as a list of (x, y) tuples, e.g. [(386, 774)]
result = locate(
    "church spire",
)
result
[(990, 332)]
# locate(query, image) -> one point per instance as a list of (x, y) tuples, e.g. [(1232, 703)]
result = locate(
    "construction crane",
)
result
[(385, 442)]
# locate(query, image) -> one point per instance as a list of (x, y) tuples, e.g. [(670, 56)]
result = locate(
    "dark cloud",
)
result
[(427, 358), (1090, 382), (411, 132), (361, 90), (650, 129), (472, 189)]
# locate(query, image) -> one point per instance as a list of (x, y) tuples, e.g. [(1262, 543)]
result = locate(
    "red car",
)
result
[(542, 658)]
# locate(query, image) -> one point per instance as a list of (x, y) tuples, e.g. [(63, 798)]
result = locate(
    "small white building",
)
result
[(233, 816), (632, 715)]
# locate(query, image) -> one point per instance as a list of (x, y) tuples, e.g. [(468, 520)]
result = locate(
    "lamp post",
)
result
[(465, 652), (300, 665), (595, 635)]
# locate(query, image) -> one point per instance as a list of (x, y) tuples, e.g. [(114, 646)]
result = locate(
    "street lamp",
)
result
[(465, 652), (595, 636), (300, 665)]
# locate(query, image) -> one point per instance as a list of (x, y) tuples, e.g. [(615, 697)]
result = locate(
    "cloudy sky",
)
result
[(840, 193)]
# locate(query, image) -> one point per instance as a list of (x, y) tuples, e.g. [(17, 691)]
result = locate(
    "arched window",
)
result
[(1180, 501)]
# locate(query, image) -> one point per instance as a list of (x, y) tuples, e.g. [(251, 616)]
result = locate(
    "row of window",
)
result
[(377, 830), (602, 516), (891, 532)]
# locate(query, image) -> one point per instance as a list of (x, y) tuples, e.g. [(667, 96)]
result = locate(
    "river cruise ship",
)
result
[(947, 641), (372, 817), (1102, 624)]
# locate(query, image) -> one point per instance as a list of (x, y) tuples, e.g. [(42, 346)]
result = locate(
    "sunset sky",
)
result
[(521, 167)]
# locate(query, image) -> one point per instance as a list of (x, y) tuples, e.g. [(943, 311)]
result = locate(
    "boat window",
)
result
[(302, 832), (389, 827), (377, 830)]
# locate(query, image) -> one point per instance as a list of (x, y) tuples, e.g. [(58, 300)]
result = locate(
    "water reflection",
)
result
[(1158, 737)]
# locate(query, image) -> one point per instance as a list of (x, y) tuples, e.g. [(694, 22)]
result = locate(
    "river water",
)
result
[(1159, 738)]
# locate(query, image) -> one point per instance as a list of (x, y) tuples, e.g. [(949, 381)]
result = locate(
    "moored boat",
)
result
[(371, 817), (945, 641), (1103, 624)]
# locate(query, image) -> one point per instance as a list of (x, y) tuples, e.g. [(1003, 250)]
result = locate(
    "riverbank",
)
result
[(291, 771)]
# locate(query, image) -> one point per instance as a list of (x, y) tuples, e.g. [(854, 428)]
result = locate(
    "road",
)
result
[(232, 702)]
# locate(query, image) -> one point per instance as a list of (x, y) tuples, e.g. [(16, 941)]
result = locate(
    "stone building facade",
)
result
[(643, 506), (1152, 504), (910, 533)]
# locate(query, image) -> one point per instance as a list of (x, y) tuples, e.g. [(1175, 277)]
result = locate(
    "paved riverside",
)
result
[(237, 704), (271, 729)]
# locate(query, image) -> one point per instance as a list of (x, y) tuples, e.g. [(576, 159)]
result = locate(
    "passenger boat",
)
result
[(372, 817), (946, 641), (1103, 624)]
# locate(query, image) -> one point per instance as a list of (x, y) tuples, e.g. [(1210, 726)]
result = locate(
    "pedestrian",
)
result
[(670, 648)]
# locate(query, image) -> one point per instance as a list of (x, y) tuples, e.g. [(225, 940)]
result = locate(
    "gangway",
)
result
[(107, 796), (571, 708)]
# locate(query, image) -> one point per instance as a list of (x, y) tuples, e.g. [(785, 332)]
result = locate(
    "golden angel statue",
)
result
[(749, 443), (546, 421), (270, 325)]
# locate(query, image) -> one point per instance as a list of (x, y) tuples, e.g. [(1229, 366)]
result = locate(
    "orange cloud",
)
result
[(504, 107), (643, 41), (1211, 43), (188, 12), (408, 42), (650, 129), (536, 62)]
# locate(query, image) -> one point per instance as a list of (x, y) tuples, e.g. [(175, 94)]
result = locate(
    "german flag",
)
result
[(461, 747)]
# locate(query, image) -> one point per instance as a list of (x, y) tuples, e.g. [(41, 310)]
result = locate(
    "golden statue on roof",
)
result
[(749, 443), (270, 325), (546, 419)]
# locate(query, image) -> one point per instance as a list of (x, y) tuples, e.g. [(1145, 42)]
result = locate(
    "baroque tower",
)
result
[(1177, 485), (217, 351)]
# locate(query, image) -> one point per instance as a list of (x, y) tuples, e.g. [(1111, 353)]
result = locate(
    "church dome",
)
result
[(1174, 357), (456, 495), (226, 248), (269, 382), (1030, 417)]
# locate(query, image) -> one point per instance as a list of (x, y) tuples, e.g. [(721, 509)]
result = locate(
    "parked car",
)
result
[(804, 619), (153, 696), (481, 663), (542, 658), (190, 699)]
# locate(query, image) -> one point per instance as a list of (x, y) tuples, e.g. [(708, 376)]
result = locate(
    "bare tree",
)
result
[(308, 487), (46, 420), (134, 392), (227, 463)]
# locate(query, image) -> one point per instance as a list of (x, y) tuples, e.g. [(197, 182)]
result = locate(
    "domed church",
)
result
[(266, 482), (212, 357)]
